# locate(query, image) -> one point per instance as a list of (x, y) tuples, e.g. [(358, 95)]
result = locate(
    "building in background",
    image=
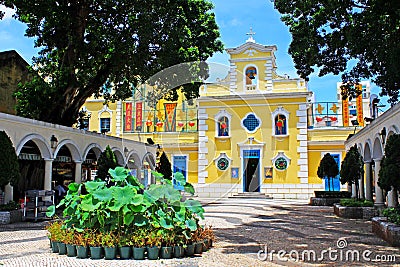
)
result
[(251, 131)]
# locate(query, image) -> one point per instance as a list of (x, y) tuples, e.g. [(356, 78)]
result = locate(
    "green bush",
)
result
[(393, 215), (351, 202), (10, 206)]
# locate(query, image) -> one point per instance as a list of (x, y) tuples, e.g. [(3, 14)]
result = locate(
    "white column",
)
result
[(353, 191), (378, 190), (368, 189), (8, 193), (361, 186), (78, 172), (392, 198), (48, 170)]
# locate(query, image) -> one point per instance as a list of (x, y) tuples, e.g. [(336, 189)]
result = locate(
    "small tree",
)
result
[(9, 167), (328, 169), (389, 174), (352, 168), (106, 161), (164, 166)]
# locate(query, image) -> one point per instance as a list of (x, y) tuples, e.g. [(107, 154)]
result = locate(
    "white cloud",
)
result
[(235, 22), (8, 12)]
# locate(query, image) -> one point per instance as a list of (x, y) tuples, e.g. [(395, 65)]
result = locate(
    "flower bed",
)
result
[(388, 231), (365, 213), (125, 216)]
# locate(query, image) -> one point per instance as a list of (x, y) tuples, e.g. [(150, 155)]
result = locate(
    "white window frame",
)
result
[(280, 111)]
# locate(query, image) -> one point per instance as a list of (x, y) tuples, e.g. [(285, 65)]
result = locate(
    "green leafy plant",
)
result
[(393, 215), (109, 239), (351, 202), (9, 166), (352, 169), (389, 173), (12, 205), (139, 236), (55, 230)]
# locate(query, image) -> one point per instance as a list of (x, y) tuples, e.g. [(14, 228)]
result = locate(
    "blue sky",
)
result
[(234, 17)]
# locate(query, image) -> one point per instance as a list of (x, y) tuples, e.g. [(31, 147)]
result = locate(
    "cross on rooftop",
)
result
[(251, 33)]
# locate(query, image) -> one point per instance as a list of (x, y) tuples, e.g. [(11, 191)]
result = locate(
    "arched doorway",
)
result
[(32, 168)]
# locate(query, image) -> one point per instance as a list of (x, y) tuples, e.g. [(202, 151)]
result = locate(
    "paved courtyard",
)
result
[(246, 229)]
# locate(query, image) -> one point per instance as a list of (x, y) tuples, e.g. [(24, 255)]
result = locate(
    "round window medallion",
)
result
[(281, 164), (223, 164)]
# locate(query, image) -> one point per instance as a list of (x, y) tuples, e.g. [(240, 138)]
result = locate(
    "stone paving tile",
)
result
[(243, 228)]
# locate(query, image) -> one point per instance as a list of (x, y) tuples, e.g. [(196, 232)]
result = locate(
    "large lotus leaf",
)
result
[(166, 223), (191, 224), (189, 188), (119, 174), (154, 193), (73, 188), (160, 213), (124, 195), (92, 186), (137, 199), (134, 181), (157, 175), (195, 207), (170, 193), (89, 204), (128, 218), (51, 211), (178, 176), (140, 220), (115, 206), (103, 194)]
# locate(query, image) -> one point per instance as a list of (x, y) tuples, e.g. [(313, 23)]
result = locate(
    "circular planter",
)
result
[(110, 253), (153, 252), (71, 250), (62, 248), (82, 252), (125, 252), (96, 253), (189, 250), (198, 248), (166, 253), (138, 253), (179, 252)]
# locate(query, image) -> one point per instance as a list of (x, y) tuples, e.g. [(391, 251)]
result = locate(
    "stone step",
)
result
[(251, 195)]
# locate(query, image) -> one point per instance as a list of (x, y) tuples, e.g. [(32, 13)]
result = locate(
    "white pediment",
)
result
[(250, 47)]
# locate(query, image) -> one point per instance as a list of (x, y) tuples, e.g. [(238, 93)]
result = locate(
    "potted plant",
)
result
[(168, 237), (208, 236), (197, 241), (109, 241), (153, 243), (69, 241), (55, 233), (179, 243), (94, 243), (139, 243), (81, 242), (125, 246)]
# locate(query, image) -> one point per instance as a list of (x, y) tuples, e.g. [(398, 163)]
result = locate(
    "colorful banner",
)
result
[(345, 111), (360, 115), (128, 117), (139, 116), (170, 115)]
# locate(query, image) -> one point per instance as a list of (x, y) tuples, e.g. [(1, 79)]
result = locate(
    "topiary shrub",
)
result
[(328, 169), (9, 166), (352, 169)]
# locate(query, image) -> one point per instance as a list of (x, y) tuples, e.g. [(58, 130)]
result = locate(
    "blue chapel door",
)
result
[(179, 165), (335, 182)]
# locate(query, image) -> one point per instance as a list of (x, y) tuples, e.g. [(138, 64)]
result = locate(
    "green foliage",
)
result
[(392, 214), (164, 166), (9, 167), (352, 168), (389, 174), (12, 205), (334, 36), (88, 47), (106, 161), (136, 216), (351, 202), (327, 168)]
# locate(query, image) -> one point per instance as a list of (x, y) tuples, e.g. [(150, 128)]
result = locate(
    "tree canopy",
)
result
[(358, 38), (106, 161), (352, 168), (328, 169), (88, 47), (389, 173)]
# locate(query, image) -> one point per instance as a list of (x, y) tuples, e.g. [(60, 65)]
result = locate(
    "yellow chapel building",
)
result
[(253, 131)]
